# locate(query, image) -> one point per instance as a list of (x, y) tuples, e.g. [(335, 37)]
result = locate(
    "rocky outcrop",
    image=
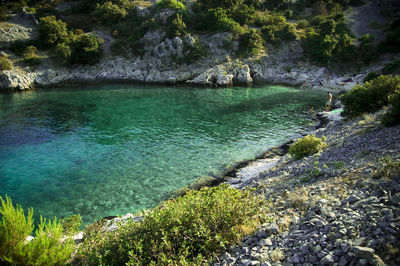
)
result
[(15, 80), (163, 62)]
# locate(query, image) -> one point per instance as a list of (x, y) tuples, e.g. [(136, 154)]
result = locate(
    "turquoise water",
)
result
[(112, 149)]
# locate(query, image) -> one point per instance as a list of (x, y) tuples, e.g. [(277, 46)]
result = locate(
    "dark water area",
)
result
[(112, 149)]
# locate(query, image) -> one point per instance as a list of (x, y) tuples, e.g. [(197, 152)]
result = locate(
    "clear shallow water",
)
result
[(112, 149)]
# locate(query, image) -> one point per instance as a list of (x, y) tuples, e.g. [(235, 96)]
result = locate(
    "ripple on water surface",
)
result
[(112, 149)]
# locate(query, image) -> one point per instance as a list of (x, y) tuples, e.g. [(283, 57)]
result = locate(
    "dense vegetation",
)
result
[(45, 249), (186, 230), (255, 24), (373, 95), (190, 229)]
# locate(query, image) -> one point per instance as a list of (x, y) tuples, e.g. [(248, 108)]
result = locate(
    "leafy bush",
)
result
[(109, 13), (30, 57), (62, 51), (302, 24), (171, 4), (244, 15), (370, 76), (308, 145), (251, 43), (371, 96), (366, 49), (86, 49), (188, 230), (392, 67), (52, 32), (218, 20), (329, 42), (5, 64), (19, 47), (45, 249), (71, 224), (177, 27), (392, 117)]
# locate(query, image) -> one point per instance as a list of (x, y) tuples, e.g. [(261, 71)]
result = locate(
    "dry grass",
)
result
[(5, 25), (298, 198), (277, 255)]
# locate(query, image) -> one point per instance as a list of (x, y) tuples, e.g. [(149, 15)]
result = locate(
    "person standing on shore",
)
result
[(328, 102)]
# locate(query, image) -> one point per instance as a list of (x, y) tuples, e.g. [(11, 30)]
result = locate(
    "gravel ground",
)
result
[(338, 207)]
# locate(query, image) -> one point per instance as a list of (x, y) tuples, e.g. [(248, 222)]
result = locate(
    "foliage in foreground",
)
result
[(371, 96), (44, 249), (186, 230), (308, 145)]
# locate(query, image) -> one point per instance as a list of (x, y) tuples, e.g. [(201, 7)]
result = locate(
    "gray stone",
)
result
[(78, 238), (265, 242), (327, 260), (272, 228), (363, 252), (342, 261), (261, 234), (244, 262)]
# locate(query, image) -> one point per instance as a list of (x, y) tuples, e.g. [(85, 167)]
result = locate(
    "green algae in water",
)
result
[(113, 149)]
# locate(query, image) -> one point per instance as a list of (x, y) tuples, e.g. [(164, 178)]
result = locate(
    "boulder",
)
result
[(243, 76)]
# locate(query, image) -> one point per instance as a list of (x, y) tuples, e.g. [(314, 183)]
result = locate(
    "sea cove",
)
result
[(106, 150)]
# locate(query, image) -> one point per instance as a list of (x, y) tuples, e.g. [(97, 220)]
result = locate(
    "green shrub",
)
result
[(391, 67), (366, 49), (392, 117), (52, 32), (371, 96), (86, 49), (244, 15), (302, 24), (45, 249), (308, 145), (370, 76), (287, 33), (19, 47), (251, 43), (109, 13), (315, 21), (63, 51), (171, 4), (5, 64), (392, 39), (177, 27), (218, 20), (30, 57), (71, 224), (188, 230)]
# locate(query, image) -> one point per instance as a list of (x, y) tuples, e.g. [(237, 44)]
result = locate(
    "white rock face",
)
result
[(158, 65), (243, 76)]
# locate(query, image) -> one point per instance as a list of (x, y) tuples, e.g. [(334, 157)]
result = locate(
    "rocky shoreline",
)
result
[(338, 207), (285, 65)]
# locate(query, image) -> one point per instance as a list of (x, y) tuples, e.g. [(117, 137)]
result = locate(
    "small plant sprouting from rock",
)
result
[(338, 165), (308, 145), (388, 168)]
